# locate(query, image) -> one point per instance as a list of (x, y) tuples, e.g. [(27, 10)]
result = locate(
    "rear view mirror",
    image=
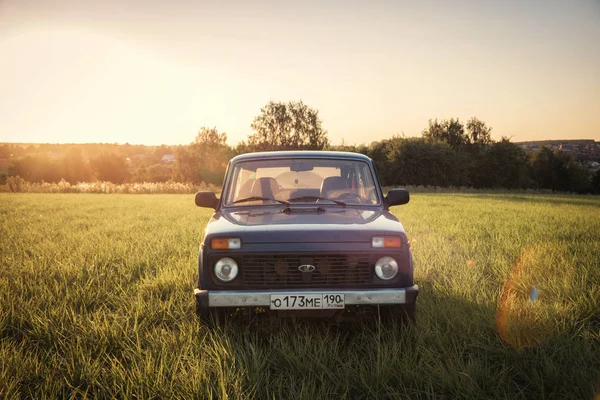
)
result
[(206, 199), (396, 197), (301, 166)]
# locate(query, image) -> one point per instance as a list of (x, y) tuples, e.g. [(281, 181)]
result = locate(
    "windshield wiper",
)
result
[(255, 198), (315, 198)]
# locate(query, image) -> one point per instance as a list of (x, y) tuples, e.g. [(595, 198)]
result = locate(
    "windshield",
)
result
[(323, 181)]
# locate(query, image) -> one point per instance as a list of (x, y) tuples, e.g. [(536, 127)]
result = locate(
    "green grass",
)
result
[(96, 300)]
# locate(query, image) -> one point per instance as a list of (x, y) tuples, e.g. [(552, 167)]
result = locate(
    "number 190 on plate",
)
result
[(313, 301)]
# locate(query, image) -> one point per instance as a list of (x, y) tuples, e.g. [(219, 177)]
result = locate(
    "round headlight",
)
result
[(386, 268), (226, 269)]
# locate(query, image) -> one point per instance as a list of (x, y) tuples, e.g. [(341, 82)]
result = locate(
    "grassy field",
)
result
[(96, 300)]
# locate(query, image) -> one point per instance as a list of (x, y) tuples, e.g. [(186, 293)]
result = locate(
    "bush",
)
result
[(15, 183)]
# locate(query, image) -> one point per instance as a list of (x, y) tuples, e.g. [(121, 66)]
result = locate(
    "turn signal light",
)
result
[(386, 242), (225, 243)]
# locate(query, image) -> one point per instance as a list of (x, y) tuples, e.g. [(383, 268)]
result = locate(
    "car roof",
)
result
[(300, 154)]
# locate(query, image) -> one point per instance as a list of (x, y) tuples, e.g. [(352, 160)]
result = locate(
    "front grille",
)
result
[(281, 271)]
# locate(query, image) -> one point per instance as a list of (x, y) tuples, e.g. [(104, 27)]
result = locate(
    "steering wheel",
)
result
[(349, 196)]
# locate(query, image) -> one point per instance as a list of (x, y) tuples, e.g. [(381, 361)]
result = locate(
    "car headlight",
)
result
[(386, 268), (226, 269)]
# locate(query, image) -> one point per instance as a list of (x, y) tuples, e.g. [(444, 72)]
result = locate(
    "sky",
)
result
[(154, 72)]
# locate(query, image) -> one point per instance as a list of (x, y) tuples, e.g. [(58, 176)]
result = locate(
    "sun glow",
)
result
[(114, 72)]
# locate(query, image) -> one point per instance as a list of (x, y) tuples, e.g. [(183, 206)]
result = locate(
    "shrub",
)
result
[(15, 183)]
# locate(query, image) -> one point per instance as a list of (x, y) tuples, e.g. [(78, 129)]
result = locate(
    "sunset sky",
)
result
[(154, 72)]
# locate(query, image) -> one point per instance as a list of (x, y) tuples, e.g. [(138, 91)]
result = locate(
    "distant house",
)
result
[(168, 158), (580, 149)]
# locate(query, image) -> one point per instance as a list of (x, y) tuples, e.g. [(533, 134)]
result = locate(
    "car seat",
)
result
[(265, 187), (333, 186)]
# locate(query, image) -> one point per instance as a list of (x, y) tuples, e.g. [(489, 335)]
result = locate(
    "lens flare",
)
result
[(527, 314), (534, 294)]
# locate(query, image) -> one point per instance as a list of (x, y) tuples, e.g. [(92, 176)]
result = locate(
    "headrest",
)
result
[(333, 183), (265, 187)]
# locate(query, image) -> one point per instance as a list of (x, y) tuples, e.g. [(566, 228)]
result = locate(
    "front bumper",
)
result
[(262, 298)]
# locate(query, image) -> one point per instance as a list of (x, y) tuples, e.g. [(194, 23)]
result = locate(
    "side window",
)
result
[(361, 184), (366, 185), (243, 184)]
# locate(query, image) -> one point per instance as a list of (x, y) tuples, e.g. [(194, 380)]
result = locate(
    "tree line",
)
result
[(449, 153), (84, 163)]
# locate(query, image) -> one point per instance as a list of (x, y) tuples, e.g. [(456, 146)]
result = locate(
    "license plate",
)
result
[(318, 301)]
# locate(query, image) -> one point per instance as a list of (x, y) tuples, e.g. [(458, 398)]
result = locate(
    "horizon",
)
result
[(152, 74), (331, 144)]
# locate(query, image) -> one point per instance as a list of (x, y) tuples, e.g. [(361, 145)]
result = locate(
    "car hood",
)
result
[(332, 224)]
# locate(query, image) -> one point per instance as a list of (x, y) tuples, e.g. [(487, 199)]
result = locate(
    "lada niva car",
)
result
[(304, 233)]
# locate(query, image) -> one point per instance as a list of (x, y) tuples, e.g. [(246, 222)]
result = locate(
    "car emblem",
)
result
[(306, 268)]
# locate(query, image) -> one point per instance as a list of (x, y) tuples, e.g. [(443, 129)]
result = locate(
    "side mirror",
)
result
[(206, 199), (396, 197)]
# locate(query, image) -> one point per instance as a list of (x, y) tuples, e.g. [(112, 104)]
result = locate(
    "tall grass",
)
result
[(96, 301), (16, 184), (19, 185)]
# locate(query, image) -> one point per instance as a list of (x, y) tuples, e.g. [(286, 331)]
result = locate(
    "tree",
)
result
[(501, 165), (478, 132), (415, 161), (580, 180), (548, 170), (596, 182), (205, 159), (377, 151), (35, 169), (450, 131), (282, 126), (74, 168), (353, 148), (110, 167), (160, 151), (558, 171), (188, 167), (159, 173), (5, 151)]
